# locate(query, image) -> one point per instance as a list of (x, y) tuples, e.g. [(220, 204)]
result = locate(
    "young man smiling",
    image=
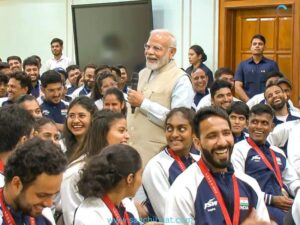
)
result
[(33, 175), (211, 191), (267, 164)]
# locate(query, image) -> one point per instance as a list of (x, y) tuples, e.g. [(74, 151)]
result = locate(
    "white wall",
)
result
[(29, 25)]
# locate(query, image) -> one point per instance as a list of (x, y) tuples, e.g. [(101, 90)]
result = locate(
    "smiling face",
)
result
[(158, 50), (78, 121), (199, 81), (222, 98), (275, 97), (15, 90), (38, 195), (179, 134), (260, 126), (118, 133), (15, 65), (215, 142), (33, 71)]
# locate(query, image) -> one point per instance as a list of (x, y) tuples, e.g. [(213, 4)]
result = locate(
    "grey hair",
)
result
[(165, 31)]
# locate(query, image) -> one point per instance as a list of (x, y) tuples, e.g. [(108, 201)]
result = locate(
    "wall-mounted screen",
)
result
[(112, 33)]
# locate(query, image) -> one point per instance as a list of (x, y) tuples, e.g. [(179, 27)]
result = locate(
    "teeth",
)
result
[(77, 126), (221, 151), (258, 132)]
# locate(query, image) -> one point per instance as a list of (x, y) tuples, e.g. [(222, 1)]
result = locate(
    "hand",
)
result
[(282, 202), (135, 98), (253, 220)]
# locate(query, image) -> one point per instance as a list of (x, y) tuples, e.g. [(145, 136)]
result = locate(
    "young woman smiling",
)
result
[(163, 169)]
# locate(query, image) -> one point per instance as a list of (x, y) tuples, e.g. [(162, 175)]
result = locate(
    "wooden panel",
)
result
[(255, 3), (285, 65), (245, 56), (285, 30), (268, 29), (270, 56), (250, 26), (230, 52)]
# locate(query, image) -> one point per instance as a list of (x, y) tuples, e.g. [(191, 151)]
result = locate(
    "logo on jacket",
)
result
[(64, 112), (279, 161), (255, 158), (244, 203), (211, 203), (45, 112)]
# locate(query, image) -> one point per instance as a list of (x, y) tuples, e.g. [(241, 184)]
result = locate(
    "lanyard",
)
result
[(266, 161), (114, 211), (9, 220), (1, 167), (215, 189), (177, 159)]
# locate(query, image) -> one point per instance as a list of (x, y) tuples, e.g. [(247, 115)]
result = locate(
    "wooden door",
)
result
[(275, 25)]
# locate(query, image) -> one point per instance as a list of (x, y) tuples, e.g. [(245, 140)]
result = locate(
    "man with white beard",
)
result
[(161, 87)]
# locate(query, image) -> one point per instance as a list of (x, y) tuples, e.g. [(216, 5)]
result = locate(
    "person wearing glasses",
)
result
[(52, 105), (162, 86)]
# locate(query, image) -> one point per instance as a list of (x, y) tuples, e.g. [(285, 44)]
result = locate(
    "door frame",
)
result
[(227, 15)]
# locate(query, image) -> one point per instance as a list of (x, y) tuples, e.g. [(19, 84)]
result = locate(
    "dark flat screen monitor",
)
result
[(112, 33)]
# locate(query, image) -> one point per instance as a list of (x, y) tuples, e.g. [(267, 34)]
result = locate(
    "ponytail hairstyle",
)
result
[(104, 171)]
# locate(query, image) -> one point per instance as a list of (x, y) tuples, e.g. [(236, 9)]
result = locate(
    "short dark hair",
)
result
[(274, 74), (120, 97), (93, 66), (37, 58), (117, 70), (31, 61), (62, 71), (70, 139), (223, 70), (15, 123), (14, 57), (54, 40), (50, 77), (4, 65), (199, 51), (206, 112), (260, 37), (261, 108), (104, 171), (102, 67), (24, 79), (279, 81), (217, 85), (3, 78), (121, 66), (95, 94), (71, 67), (240, 108), (272, 85), (25, 98), (34, 158)]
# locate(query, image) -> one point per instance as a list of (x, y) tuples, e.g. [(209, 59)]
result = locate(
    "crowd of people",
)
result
[(185, 147)]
